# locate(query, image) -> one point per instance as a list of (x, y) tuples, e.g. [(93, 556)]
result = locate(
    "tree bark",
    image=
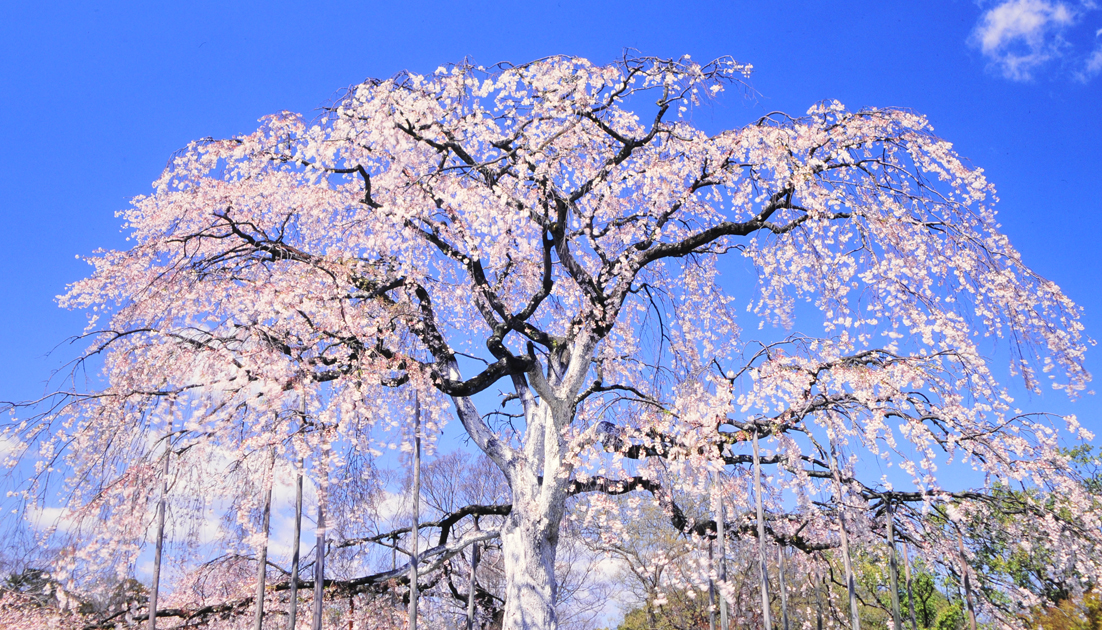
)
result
[(531, 591), (538, 476), (293, 607), (155, 590), (763, 565), (262, 557)]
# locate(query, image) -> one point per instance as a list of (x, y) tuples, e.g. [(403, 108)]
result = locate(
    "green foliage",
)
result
[(1088, 463), (927, 600), (951, 617), (680, 611), (1077, 613)]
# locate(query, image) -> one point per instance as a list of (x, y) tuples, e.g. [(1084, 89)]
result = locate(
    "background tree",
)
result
[(436, 236)]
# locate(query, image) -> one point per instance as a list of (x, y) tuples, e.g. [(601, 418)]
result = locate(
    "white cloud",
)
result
[(1018, 36), (50, 519), (1093, 65)]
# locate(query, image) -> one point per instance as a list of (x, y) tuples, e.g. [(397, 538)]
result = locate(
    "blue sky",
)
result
[(94, 97)]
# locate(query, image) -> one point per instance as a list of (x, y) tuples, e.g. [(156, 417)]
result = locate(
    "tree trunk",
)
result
[(155, 591), (262, 557), (293, 607), (531, 590), (538, 476), (763, 564), (415, 497)]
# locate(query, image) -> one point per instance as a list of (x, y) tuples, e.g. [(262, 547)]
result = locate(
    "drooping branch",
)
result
[(434, 557)]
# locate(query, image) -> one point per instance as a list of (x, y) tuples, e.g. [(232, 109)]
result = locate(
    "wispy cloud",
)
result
[(1093, 65), (1019, 36)]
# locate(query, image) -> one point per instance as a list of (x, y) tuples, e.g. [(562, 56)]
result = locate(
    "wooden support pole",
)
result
[(783, 587), (711, 587), (910, 591), (155, 591), (763, 566), (472, 585), (262, 557), (893, 566), (319, 558), (965, 571), (721, 536), (416, 498), (851, 581), (292, 611)]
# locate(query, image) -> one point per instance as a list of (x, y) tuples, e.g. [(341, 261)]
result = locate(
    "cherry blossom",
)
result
[(444, 238)]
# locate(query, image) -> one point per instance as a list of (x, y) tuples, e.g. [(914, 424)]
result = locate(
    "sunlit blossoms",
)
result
[(644, 299)]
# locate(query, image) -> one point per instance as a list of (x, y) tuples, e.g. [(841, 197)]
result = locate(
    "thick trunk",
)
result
[(538, 476), (529, 544)]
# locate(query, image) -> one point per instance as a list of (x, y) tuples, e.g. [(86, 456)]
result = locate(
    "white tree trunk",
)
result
[(529, 544), (538, 477)]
